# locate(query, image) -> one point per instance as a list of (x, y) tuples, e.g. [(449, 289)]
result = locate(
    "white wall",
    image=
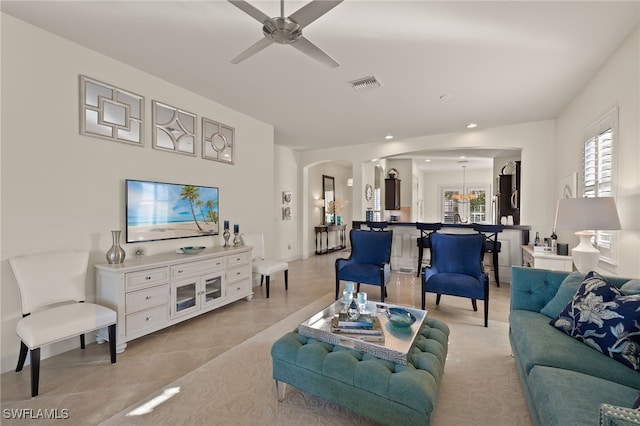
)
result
[(285, 242), (617, 83), (61, 190), (535, 139)]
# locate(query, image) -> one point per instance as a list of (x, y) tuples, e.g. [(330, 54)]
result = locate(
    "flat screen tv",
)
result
[(164, 211)]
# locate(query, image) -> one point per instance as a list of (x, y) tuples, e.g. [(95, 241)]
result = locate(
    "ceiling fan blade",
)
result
[(253, 49), (305, 46), (250, 10), (312, 11)]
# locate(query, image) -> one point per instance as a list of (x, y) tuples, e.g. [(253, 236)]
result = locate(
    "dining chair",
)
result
[(52, 295), (424, 241), (491, 244), (369, 262), (456, 269), (260, 265)]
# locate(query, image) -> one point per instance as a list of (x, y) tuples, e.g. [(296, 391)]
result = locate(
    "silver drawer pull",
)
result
[(238, 273), (148, 297), (180, 271), (147, 319), (147, 277)]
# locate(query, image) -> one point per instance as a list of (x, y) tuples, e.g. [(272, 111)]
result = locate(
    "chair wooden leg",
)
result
[(420, 254), (261, 280), (286, 279), (112, 343), (383, 292), (268, 286), (82, 341), (357, 287), (337, 286), (495, 268), (486, 313), (438, 298), (24, 350), (424, 296), (35, 371), (474, 304)]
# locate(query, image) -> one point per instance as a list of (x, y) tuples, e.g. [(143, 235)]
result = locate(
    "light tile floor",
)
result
[(92, 390)]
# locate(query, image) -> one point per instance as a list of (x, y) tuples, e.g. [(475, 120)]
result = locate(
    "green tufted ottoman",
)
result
[(389, 393)]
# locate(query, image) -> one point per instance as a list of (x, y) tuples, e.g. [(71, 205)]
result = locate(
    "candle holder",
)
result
[(236, 240), (226, 236)]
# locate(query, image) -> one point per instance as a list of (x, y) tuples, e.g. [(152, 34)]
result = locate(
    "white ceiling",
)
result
[(496, 63)]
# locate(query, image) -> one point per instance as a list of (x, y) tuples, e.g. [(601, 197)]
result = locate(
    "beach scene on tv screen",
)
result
[(160, 211)]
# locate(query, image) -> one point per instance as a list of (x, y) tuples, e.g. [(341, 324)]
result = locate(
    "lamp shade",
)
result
[(580, 214)]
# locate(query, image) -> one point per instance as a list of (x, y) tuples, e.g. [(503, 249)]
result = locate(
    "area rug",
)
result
[(480, 386)]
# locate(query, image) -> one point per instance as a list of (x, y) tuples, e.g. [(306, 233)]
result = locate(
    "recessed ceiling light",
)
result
[(388, 137), (472, 125)]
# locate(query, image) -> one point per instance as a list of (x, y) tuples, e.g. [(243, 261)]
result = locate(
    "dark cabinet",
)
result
[(392, 194), (509, 195)]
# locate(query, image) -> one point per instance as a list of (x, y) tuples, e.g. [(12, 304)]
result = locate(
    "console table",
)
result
[(153, 292), (542, 260), (340, 229)]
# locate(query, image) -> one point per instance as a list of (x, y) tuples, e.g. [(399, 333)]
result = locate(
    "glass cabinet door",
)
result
[(213, 288), (184, 296)]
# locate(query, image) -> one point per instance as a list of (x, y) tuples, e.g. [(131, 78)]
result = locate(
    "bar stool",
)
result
[(377, 226), (491, 244), (424, 240)]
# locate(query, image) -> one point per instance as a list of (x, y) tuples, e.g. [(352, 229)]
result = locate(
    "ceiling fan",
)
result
[(283, 30)]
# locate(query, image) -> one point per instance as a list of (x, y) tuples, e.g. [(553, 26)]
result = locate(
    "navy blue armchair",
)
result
[(456, 269), (369, 262)]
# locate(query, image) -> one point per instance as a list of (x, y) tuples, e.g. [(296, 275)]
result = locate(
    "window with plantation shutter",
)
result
[(599, 175)]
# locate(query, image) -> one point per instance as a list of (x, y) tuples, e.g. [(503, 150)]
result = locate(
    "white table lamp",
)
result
[(587, 215)]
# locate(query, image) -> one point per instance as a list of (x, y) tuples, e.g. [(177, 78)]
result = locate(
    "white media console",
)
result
[(153, 292)]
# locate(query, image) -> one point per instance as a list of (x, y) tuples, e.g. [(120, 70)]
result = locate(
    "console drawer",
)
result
[(238, 258), (195, 268), (146, 298), (238, 288), (146, 278), (153, 318), (238, 274)]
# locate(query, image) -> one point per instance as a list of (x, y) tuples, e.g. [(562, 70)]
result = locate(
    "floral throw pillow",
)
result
[(600, 316)]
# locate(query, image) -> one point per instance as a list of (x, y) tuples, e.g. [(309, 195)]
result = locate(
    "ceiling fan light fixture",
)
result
[(365, 83), (282, 30)]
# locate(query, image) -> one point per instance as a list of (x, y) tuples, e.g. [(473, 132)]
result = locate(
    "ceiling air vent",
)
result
[(365, 83)]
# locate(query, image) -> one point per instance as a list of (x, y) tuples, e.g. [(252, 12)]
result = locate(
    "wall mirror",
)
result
[(111, 113), (173, 129), (329, 193)]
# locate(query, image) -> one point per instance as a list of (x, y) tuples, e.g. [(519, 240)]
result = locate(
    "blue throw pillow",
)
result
[(600, 316), (565, 292)]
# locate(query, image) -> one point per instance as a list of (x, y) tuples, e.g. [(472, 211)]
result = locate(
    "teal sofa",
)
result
[(565, 381)]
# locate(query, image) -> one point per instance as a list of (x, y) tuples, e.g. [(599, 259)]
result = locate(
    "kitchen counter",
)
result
[(404, 249)]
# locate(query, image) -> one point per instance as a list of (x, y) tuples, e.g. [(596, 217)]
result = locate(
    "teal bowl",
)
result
[(400, 317), (192, 249)]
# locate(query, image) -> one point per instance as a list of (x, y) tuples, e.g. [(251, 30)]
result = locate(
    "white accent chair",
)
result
[(52, 293), (262, 266)]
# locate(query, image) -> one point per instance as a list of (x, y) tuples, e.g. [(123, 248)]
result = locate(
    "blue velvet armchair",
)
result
[(369, 262), (456, 269)]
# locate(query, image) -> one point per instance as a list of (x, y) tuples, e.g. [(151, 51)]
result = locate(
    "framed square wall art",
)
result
[(109, 112), (218, 141), (174, 129)]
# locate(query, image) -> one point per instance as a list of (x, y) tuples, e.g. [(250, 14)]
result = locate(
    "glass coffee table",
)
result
[(393, 345)]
